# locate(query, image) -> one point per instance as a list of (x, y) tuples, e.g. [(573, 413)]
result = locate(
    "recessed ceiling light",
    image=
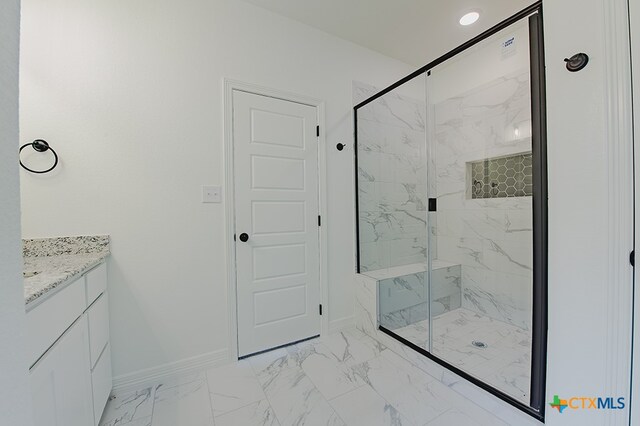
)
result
[(469, 18)]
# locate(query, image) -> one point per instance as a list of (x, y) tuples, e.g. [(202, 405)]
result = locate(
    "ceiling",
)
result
[(413, 31)]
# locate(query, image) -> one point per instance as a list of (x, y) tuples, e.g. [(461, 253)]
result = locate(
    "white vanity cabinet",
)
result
[(68, 336)]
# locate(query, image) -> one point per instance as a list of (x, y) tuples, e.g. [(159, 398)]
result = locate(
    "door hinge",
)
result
[(433, 204), (320, 309), (319, 220), (318, 131), (632, 258)]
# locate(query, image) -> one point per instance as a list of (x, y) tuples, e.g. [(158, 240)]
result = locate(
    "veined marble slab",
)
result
[(52, 263), (399, 271), (392, 178), (491, 239)]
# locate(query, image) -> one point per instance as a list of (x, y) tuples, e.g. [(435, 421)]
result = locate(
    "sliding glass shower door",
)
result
[(451, 209), (479, 139)]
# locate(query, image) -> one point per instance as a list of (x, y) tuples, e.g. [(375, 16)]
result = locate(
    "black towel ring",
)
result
[(40, 145)]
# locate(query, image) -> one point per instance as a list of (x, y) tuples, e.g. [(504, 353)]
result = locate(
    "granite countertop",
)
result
[(52, 263)]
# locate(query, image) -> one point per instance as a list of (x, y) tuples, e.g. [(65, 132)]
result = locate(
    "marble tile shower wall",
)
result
[(490, 238), (391, 179)]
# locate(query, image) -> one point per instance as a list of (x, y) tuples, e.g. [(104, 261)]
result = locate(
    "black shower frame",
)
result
[(536, 407)]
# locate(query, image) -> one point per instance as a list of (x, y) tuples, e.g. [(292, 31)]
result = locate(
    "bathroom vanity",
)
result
[(68, 329)]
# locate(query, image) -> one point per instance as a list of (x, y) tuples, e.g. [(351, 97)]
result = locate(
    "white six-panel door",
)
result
[(276, 206)]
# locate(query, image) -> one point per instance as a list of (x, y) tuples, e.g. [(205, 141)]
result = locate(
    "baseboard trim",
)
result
[(148, 376), (340, 324)]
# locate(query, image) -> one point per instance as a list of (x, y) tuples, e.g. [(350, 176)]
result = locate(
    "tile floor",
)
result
[(343, 379), (505, 363)]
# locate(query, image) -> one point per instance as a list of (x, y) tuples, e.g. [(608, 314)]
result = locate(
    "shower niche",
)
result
[(451, 210), (503, 177)]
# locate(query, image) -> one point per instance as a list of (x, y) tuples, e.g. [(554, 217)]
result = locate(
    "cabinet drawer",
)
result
[(98, 315), (101, 383), (47, 321), (96, 282)]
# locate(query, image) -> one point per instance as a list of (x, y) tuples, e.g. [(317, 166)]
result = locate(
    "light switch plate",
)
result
[(211, 194)]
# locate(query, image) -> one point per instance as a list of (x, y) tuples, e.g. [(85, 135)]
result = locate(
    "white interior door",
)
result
[(276, 208)]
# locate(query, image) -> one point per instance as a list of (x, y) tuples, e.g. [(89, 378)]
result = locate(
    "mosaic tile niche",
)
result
[(502, 177)]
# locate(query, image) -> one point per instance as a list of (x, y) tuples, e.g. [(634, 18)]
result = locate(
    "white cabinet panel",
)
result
[(61, 381), (47, 321), (98, 315), (96, 282), (101, 382)]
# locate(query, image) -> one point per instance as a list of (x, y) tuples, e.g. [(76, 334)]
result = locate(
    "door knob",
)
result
[(244, 237)]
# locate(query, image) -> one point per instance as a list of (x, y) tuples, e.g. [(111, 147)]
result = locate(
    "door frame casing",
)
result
[(229, 86)]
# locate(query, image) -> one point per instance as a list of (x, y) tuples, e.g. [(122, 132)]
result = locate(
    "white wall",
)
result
[(130, 94), (634, 13), (590, 207), (15, 401)]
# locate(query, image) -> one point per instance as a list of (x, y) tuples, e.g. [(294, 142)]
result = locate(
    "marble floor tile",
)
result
[(389, 372), (128, 407), (363, 406), (140, 422), (269, 365), (296, 401), (414, 393), (185, 405), (255, 414), (233, 386), (350, 348), (409, 370), (344, 379), (511, 376), (453, 418), (331, 377), (421, 402), (462, 404)]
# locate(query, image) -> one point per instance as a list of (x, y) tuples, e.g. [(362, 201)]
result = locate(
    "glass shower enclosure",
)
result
[(451, 209)]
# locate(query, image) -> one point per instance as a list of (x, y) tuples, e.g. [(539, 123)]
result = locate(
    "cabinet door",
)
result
[(61, 381)]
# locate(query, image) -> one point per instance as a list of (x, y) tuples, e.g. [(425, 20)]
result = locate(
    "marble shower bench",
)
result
[(403, 292)]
